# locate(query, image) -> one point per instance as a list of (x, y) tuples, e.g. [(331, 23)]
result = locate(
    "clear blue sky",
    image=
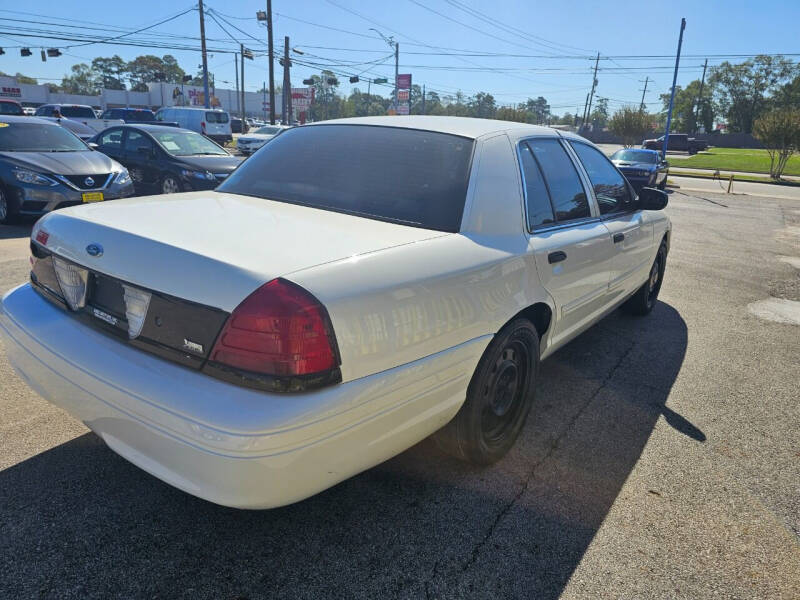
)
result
[(540, 30)]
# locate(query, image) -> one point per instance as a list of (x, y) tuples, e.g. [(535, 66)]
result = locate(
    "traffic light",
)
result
[(308, 82), (44, 56), (25, 52), (247, 53), (354, 79), (261, 15), (332, 81), (2, 51), (53, 52), (187, 78)]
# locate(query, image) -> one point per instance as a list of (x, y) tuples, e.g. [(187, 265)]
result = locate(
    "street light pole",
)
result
[(672, 94), (271, 61), (396, 70), (203, 51)]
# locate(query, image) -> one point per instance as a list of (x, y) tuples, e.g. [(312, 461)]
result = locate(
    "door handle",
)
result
[(618, 237), (555, 257)]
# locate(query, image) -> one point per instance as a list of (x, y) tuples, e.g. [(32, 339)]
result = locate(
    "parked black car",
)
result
[(236, 126), (680, 142), (44, 166), (642, 168), (167, 160)]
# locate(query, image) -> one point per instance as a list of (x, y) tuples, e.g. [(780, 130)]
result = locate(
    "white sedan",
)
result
[(247, 144), (353, 288)]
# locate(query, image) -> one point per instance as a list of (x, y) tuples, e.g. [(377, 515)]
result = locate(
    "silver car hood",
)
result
[(65, 163)]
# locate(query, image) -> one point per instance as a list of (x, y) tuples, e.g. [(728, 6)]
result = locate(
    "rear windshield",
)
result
[(216, 117), (10, 108), (79, 112), (269, 129), (405, 176), (37, 137), (142, 116)]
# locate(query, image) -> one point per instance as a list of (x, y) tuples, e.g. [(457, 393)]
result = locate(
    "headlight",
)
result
[(123, 177), (35, 178), (644, 173), (208, 175)]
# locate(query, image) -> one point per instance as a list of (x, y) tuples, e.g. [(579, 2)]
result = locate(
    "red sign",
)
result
[(403, 95), (11, 92), (404, 81)]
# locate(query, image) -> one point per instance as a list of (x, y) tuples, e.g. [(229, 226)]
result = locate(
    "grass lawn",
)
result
[(735, 159)]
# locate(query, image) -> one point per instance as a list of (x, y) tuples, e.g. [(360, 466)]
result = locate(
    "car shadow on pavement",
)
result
[(79, 521), (19, 229)]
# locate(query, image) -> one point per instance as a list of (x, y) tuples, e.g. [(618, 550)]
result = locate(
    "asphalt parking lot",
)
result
[(662, 460)]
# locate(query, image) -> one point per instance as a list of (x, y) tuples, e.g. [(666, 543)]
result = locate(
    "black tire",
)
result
[(663, 184), (6, 212), (170, 184), (499, 397), (643, 301)]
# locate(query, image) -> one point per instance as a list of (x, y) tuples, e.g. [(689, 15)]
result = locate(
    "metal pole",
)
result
[(271, 69), (236, 73), (369, 101), (423, 98), (264, 103), (396, 71), (641, 106), (672, 94), (203, 51), (241, 47), (594, 85), (286, 97), (699, 97)]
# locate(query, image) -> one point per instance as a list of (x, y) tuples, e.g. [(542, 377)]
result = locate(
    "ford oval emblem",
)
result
[(88, 182), (94, 250)]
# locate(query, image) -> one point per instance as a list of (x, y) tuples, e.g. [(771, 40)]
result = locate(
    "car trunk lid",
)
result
[(209, 247)]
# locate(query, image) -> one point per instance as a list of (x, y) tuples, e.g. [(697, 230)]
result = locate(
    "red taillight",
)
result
[(42, 236), (203, 126), (280, 330)]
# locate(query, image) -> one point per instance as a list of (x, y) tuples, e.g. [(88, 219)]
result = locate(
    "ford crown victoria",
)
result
[(356, 286)]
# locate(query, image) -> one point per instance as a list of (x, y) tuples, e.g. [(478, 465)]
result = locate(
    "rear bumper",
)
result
[(229, 445)]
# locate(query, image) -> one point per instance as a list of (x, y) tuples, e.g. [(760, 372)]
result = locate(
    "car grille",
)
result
[(79, 181)]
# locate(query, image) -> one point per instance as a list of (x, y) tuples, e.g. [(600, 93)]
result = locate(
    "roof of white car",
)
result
[(463, 126)]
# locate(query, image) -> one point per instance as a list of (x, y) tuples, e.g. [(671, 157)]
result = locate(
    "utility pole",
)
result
[(396, 71), (672, 94), (423, 98), (241, 101), (271, 70), (594, 86), (286, 97), (236, 73), (699, 97), (203, 51), (641, 106), (585, 106)]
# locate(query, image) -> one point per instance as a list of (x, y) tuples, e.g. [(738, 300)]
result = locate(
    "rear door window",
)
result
[(77, 112), (609, 185), (537, 198), (111, 139), (566, 190), (137, 142), (216, 117)]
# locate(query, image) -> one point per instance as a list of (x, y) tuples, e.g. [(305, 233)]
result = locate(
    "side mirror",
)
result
[(652, 199), (93, 145)]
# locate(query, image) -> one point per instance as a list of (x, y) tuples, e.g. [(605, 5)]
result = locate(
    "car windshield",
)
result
[(10, 108), (186, 143), (635, 156), (400, 175), (217, 117), (268, 130), (37, 137), (78, 112)]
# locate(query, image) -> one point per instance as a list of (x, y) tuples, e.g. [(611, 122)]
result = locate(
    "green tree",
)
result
[(689, 109), (538, 110), (630, 124), (483, 106), (779, 131), (149, 68), (599, 116), (787, 96), (110, 71), (509, 113), (741, 90), (327, 103), (81, 81)]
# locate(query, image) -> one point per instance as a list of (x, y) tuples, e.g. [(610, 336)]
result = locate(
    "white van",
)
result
[(211, 122)]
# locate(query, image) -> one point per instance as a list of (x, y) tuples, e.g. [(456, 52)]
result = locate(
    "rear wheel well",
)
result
[(539, 314)]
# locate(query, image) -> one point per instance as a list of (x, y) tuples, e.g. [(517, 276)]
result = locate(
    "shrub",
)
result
[(779, 131), (630, 124)]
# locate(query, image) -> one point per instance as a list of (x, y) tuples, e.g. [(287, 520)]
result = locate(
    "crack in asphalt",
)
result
[(526, 483)]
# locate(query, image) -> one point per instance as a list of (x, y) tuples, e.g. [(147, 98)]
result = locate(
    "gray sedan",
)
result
[(44, 167)]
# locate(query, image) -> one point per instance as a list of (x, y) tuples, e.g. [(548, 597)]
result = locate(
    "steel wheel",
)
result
[(503, 392), (499, 397), (170, 185)]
